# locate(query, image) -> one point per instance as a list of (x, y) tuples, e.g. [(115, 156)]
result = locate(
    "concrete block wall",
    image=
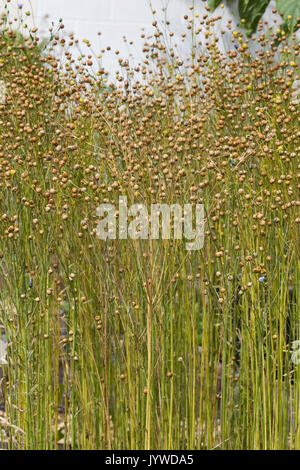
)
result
[(116, 19)]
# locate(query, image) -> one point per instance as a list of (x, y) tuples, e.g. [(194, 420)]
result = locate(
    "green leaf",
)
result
[(251, 11), (289, 8), (213, 4)]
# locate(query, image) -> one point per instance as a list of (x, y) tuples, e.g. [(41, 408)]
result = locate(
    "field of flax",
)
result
[(141, 344)]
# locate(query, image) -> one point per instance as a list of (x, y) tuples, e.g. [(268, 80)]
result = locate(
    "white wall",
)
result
[(113, 18), (116, 19)]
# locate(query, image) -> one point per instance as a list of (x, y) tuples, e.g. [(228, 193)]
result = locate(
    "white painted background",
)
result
[(115, 19)]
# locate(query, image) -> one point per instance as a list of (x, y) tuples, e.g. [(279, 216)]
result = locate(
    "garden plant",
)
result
[(142, 344)]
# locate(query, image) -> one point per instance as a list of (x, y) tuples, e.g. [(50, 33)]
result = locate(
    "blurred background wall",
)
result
[(118, 18)]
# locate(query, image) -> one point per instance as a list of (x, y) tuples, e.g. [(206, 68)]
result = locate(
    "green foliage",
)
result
[(289, 8), (213, 4), (252, 10)]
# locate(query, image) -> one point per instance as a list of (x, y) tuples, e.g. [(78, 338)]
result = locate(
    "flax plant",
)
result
[(142, 344)]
